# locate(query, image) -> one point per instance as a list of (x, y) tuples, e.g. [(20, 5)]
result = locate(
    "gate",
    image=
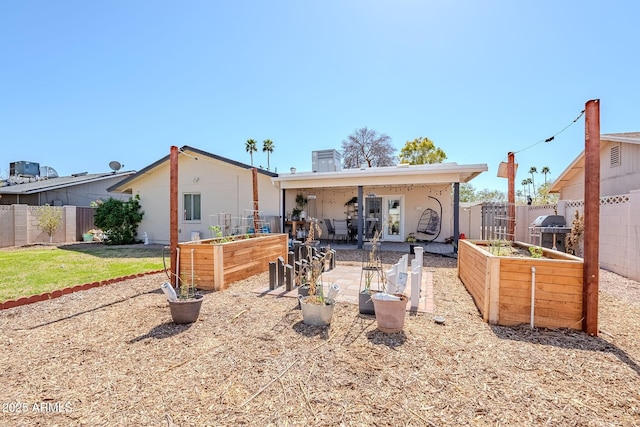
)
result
[(84, 221), (494, 221)]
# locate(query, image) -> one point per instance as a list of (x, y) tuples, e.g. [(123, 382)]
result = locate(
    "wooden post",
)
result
[(289, 277), (280, 267), (273, 276), (591, 217), (511, 197), (255, 201), (173, 210)]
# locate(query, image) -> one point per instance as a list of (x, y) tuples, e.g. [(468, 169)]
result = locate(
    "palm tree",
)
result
[(524, 187), (251, 146), (267, 145), (533, 170), (529, 182), (545, 170)]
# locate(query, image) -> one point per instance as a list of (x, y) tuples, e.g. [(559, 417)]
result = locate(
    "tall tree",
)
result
[(529, 183), (533, 170), (268, 146), (251, 146), (421, 151), (545, 170), (524, 186), (367, 146), (469, 194)]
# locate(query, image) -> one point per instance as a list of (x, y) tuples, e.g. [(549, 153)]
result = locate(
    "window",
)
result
[(192, 207), (615, 156)]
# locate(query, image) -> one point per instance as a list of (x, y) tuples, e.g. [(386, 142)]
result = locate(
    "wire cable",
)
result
[(552, 137)]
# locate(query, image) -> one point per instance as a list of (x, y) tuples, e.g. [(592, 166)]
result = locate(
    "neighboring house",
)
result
[(619, 202), (212, 190), (395, 200), (75, 190), (619, 168)]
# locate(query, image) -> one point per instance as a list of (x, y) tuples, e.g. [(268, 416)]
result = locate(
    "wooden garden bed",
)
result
[(213, 264), (501, 286)]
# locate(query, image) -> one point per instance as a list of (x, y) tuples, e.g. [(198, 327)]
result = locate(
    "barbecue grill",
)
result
[(552, 230)]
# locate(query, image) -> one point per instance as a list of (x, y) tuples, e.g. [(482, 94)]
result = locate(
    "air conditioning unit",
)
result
[(22, 168), (325, 161)]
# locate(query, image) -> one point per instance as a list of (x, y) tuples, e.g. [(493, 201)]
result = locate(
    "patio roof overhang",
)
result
[(440, 173)]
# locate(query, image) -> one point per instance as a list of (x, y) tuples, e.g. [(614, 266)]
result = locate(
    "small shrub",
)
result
[(50, 219), (535, 251), (119, 220)]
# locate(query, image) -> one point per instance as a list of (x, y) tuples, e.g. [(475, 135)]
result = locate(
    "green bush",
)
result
[(119, 220)]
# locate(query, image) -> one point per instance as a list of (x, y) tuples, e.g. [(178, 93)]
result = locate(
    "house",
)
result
[(76, 190), (30, 186), (619, 168), (212, 191), (619, 238)]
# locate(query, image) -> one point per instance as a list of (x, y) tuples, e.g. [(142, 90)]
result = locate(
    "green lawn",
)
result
[(25, 272)]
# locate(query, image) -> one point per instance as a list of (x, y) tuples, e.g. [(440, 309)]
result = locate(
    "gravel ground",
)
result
[(111, 356)]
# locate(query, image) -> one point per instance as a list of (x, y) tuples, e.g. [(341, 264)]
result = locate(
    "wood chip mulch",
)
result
[(111, 356)]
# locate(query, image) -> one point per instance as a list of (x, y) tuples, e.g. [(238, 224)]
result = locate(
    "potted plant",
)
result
[(391, 309), (371, 269), (317, 309), (299, 211), (306, 252), (185, 304), (411, 239)]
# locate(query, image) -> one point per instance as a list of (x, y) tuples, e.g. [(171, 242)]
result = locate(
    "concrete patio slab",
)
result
[(348, 278)]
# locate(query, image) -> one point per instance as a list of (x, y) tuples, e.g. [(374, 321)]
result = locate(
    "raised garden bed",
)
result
[(501, 286), (214, 263)]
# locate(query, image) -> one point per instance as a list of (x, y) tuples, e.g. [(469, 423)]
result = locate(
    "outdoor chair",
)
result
[(341, 230), (331, 232)]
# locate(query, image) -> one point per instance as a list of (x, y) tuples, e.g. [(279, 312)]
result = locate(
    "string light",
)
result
[(552, 137)]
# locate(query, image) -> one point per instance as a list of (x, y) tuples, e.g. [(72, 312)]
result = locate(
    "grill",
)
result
[(552, 230)]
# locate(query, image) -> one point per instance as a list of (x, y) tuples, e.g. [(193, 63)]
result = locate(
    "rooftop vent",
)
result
[(48, 172)]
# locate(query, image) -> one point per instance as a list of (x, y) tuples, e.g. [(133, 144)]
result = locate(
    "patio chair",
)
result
[(341, 230), (331, 232)]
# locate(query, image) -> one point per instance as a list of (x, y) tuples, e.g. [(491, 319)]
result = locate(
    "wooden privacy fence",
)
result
[(84, 220)]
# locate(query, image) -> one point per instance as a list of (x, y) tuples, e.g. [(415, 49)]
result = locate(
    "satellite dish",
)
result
[(115, 166)]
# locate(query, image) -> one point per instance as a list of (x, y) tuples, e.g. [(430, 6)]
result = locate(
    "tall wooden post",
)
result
[(591, 217), (255, 201), (173, 209), (511, 196)]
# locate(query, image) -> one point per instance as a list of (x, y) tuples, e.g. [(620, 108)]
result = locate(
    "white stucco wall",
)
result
[(619, 249), (224, 188)]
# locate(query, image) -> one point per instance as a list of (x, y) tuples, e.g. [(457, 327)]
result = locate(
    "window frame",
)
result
[(193, 208)]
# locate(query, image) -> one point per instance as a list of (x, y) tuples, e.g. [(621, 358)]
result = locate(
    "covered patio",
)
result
[(396, 201)]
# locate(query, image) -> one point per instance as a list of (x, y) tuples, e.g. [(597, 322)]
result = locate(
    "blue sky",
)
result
[(84, 83)]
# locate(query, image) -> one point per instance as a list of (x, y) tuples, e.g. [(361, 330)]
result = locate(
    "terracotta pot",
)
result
[(390, 314), (315, 314), (186, 310)]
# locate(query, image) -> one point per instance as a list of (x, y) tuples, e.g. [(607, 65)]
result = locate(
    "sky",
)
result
[(86, 83)]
